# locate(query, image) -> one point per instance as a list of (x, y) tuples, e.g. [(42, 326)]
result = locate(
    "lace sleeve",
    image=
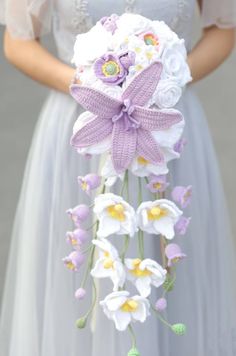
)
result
[(221, 13), (26, 19)]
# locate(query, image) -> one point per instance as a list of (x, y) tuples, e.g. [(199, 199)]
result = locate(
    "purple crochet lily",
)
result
[(127, 121)]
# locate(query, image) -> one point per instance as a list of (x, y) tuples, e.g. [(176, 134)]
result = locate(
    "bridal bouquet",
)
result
[(131, 72)]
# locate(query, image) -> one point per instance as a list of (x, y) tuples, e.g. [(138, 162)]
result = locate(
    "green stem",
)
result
[(172, 282), (140, 233), (161, 318), (133, 337), (125, 248)]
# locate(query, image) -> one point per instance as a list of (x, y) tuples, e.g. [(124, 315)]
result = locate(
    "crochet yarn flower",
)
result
[(174, 254), (89, 182), (110, 22), (74, 261), (79, 214), (182, 225), (157, 183), (112, 69), (182, 195), (77, 237), (115, 216), (144, 273), (158, 217), (123, 309), (128, 122), (108, 264)]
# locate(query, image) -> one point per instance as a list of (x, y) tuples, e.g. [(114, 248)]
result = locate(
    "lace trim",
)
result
[(82, 20), (130, 6), (182, 15)]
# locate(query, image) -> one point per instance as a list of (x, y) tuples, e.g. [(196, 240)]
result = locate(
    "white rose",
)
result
[(91, 45), (114, 91), (133, 24), (175, 64), (167, 94)]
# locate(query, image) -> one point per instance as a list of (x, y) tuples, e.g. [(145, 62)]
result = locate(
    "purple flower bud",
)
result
[(79, 214), (109, 22), (174, 254), (161, 304), (179, 146), (89, 182), (77, 238), (182, 195), (80, 293), (157, 183), (74, 261), (182, 225)]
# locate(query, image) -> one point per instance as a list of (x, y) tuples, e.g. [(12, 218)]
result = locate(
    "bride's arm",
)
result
[(35, 61), (214, 47)]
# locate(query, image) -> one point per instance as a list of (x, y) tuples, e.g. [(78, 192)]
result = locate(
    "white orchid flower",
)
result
[(144, 273), (115, 216), (123, 309), (109, 264), (109, 173), (158, 217)]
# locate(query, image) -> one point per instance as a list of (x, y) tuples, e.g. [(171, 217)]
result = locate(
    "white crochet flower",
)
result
[(144, 273), (175, 64), (167, 139), (91, 45), (167, 94), (115, 216), (123, 309), (109, 264), (97, 149), (109, 173), (142, 168), (158, 217)]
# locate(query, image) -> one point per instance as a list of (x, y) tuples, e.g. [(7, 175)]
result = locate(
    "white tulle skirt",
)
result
[(39, 309)]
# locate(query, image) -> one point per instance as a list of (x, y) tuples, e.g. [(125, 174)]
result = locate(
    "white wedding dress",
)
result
[(39, 309)]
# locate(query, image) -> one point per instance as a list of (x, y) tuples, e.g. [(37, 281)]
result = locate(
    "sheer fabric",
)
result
[(221, 13), (26, 19)]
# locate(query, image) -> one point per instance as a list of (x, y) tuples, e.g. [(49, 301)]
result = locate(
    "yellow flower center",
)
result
[(110, 68), (138, 67), (84, 186), (70, 265), (149, 55), (137, 272), (116, 212), (129, 306), (156, 213), (157, 185), (108, 263), (142, 161)]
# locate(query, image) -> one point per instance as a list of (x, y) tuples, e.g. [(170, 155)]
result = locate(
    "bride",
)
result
[(38, 310)]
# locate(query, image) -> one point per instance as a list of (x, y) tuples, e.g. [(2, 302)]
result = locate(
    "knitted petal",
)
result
[(92, 133), (143, 86), (148, 148), (95, 101), (155, 120), (123, 146)]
